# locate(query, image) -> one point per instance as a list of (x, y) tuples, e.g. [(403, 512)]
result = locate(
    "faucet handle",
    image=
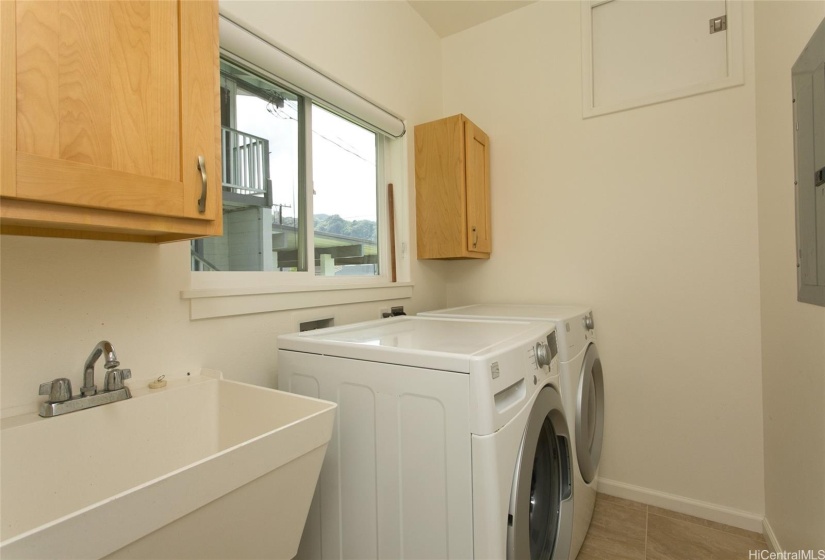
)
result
[(114, 379), (59, 390)]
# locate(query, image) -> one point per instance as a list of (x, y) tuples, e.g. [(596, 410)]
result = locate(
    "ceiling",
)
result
[(451, 16)]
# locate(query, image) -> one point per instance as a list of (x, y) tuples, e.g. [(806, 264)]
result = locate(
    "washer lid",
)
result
[(571, 321), (435, 343), (512, 311)]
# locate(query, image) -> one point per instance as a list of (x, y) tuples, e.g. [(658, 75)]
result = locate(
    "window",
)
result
[(287, 158), (306, 168)]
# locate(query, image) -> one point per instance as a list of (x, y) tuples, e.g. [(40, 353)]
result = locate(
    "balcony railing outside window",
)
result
[(245, 168)]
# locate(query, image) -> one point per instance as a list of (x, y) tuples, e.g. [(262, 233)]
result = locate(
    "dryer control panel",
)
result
[(544, 352)]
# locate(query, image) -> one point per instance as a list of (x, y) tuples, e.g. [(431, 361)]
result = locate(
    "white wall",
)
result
[(59, 297), (650, 215), (793, 334)]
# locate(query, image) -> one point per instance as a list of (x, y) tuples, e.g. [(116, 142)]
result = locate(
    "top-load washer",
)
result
[(450, 439), (582, 388)]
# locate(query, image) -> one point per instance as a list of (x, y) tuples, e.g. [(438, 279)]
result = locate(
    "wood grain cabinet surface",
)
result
[(452, 190), (105, 109)]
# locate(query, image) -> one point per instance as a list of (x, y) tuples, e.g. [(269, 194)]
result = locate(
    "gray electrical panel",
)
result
[(808, 76)]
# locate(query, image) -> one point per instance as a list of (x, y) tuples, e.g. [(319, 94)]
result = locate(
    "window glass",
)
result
[(344, 196), (276, 120), (545, 494), (265, 155)]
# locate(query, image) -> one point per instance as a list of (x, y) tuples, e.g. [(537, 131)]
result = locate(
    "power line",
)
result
[(280, 113)]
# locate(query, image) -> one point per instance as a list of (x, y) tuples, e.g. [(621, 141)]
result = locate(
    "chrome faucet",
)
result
[(103, 347), (61, 400)]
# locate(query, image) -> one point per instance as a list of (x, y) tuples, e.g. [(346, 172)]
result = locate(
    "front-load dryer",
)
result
[(450, 439), (582, 389)]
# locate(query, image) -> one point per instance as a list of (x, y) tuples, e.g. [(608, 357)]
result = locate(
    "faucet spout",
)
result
[(103, 348)]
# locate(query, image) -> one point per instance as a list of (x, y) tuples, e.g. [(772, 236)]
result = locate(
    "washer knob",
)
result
[(588, 321), (542, 354)]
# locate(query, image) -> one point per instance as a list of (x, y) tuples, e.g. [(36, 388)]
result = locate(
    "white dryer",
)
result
[(450, 440), (582, 388)]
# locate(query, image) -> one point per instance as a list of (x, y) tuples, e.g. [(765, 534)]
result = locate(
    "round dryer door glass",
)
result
[(540, 519), (590, 415), (545, 494)]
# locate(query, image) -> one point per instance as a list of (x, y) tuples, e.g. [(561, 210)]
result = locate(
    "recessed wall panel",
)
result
[(357, 466), (422, 433)]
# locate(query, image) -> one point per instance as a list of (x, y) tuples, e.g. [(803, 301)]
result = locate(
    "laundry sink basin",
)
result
[(202, 468)]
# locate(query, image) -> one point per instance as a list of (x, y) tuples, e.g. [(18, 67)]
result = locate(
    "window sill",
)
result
[(228, 302)]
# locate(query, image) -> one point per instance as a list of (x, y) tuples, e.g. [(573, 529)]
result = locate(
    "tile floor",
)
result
[(625, 530)]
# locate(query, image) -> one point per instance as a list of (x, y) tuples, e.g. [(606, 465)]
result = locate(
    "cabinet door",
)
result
[(477, 161), (439, 189), (115, 103)]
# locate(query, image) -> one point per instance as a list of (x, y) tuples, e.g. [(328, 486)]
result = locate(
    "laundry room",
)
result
[(662, 221)]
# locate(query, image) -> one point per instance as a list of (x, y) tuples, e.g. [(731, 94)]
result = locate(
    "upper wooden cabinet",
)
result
[(452, 190), (109, 115)]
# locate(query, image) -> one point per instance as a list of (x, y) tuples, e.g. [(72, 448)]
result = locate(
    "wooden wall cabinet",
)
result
[(452, 190), (105, 110)]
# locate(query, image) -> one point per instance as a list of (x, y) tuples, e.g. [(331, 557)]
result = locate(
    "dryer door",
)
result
[(540, 522), (590, 414)]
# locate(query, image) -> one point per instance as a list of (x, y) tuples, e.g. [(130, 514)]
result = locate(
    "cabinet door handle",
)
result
[(475, 237), (202, 199)]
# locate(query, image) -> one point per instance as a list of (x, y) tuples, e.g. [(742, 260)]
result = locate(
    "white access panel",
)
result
[(643, 48), (637, 53), (402, 441)]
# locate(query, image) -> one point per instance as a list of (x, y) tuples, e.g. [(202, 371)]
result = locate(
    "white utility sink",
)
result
[(203, 468)]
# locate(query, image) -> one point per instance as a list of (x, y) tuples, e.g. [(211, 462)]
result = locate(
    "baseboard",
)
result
[(705, 510), (770, 536)]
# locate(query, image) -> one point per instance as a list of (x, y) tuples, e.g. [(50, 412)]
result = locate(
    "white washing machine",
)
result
[(450, 440), (582, 389)]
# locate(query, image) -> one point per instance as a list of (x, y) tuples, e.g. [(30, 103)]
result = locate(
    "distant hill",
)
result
[(361, 229), (335, 224)]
